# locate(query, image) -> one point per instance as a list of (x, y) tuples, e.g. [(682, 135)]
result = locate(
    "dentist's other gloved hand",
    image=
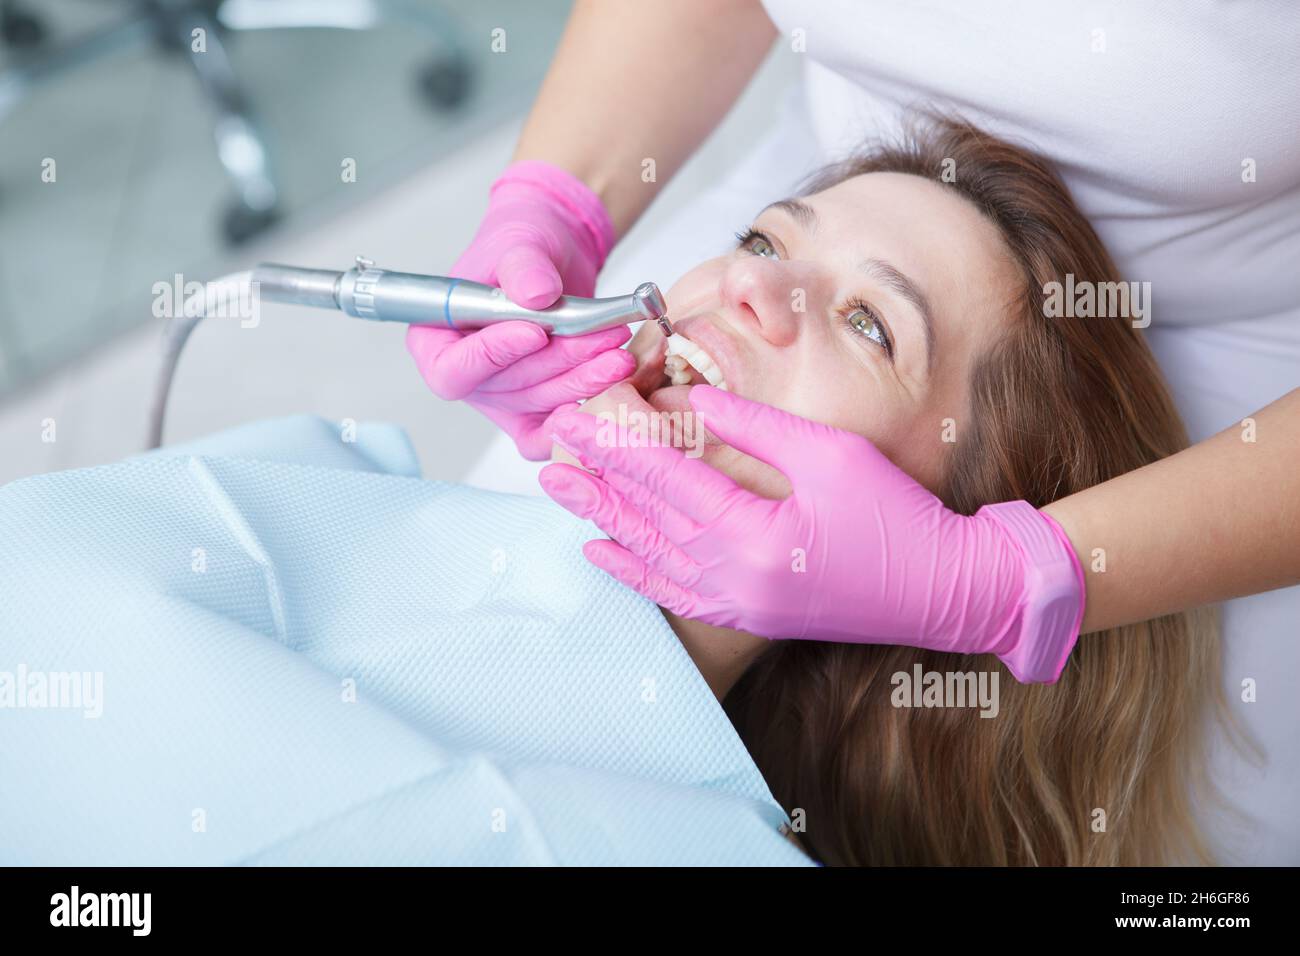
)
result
[(858, 552), (545, 234)]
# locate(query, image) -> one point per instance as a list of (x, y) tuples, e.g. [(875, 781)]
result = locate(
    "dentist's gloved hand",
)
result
[(859, 551), (545, 234)]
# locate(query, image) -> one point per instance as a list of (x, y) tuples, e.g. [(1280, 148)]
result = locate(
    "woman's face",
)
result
[(862, 307)]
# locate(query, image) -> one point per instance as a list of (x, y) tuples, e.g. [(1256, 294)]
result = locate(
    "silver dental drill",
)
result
[(370, 293), (367, 292)]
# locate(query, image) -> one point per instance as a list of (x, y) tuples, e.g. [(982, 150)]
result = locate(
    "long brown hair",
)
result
[(1107, 765)]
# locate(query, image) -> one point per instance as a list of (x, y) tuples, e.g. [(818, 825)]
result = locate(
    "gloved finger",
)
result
[(676, 527), (694, 488), (624, 566), (454, 369), (532, 440), (562, 353), (533, 443), (588, 379), (426, 342), (542, 429), (472, 266), (774, 436), (566, 407), (528, 277), (590, 498)]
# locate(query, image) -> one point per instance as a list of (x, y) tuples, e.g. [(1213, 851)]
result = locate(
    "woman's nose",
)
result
[(770, 296)]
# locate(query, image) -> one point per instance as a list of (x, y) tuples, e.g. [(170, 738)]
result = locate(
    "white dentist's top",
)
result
[(1176, 126)]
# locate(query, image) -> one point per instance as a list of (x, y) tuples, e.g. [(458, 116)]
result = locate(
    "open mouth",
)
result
[(667, 370), (687, 363)]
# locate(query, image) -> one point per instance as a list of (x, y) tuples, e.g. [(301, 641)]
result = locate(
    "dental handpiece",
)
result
[(367, 292)]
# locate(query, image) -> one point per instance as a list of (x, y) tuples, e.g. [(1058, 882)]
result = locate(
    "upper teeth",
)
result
[(683, 352)]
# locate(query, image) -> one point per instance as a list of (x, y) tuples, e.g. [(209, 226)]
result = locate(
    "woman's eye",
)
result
[(754, 242), (865, 324), (860, 318)]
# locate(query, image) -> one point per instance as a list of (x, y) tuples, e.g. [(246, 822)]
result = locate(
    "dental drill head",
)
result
[(367, 292)]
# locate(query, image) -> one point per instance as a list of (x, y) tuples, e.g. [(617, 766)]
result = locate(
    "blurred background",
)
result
[(304, 131)]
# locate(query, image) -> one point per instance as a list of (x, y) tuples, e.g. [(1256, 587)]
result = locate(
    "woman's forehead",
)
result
[(915, 211), (924, 229)]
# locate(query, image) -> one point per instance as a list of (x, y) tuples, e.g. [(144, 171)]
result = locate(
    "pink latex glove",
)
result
[(859, 551), (545, 233)]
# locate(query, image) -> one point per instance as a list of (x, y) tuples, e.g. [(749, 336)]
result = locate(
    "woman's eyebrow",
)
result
[(902, 285), (802, 213)]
